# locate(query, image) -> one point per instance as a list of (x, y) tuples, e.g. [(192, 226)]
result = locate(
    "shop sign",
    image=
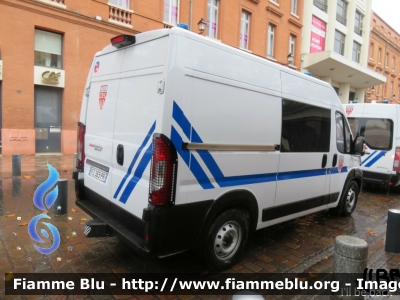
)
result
[(50, 77)]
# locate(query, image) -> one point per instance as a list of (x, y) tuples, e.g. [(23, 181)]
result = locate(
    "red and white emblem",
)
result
[(103, 95), (341, 162), (96, 67), (349, 109)]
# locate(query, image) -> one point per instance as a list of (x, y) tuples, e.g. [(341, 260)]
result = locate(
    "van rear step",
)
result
[(126, 235), (97, 228)]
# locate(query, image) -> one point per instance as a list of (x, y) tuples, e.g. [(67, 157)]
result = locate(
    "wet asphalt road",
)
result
[(301, 245)]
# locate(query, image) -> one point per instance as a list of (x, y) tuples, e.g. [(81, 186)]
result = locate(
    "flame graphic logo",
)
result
[(45, 205)]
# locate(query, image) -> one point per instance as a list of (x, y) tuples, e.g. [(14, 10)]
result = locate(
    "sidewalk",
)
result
[(304, 245)]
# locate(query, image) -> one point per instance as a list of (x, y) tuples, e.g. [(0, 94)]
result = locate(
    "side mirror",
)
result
[(359, 146)]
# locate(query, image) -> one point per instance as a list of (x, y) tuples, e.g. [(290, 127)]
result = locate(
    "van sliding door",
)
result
[(304, 160)]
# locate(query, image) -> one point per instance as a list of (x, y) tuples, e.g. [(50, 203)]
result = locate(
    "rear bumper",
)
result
[(128, 236), (380, 178), (161, 230)]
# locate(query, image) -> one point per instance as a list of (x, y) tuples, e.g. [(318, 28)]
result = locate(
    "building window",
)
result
[(292, 44), (386, 59), (121, 3), (271, 40), (371, 51), (356, 52), (212, 27), (341, 11), (294, 7), (393, 63), (398, 93), (379, 55), (276, 1), (48, 47), (391, 90), (321, 4), (339, 42), (244, 30), (171, 11), (358, 23)]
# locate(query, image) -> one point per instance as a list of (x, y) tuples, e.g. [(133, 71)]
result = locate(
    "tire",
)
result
[(226, 239), (348, 201)]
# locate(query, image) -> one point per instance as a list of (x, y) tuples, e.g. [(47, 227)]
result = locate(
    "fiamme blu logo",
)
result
[(44, 197)]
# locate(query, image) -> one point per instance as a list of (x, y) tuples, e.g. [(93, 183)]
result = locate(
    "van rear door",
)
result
[(100, 119), (138, 114)]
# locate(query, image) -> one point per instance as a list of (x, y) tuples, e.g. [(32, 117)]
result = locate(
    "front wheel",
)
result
[(348, 201), (226, 239)]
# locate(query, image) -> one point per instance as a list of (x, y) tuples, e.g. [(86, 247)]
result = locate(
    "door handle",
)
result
[(334, 161), (120, 154), (324, 160)]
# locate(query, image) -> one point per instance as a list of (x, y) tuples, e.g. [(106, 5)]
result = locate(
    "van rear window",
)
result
[(378, 133)]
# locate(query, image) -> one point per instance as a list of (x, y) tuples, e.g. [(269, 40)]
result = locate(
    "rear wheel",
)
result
[(348, 202), (226, 239)]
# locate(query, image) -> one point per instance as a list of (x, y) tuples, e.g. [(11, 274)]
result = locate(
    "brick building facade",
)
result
[(384, 58), (46, 48)]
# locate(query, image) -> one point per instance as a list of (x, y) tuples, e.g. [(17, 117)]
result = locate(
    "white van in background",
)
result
[(379, 124), (187, 143)]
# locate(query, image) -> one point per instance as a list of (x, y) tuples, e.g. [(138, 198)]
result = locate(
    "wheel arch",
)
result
[(356, 175), (238, 199)]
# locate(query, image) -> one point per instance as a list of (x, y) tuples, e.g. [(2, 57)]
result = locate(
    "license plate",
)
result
[(98, 174)]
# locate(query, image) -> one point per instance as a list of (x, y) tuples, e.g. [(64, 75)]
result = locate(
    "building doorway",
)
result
[(48, 108), (352, 96)]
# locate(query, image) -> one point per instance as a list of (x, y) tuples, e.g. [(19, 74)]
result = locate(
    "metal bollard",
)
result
[(75, 160), (16, 186), (61, 203), (392, 243), (16, 165), (351, 254)]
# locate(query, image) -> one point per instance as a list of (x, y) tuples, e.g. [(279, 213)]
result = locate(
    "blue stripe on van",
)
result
[(181, 119), (336, 170), (301, 174), (375, 159), (139, 150), (138, 174), (369, 157)]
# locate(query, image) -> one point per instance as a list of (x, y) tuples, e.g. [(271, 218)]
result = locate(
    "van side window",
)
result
[(378, 133), (343, 135), (305, 128)]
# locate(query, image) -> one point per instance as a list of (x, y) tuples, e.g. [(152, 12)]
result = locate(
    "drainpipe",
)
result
[(384, 69), (190, 15)]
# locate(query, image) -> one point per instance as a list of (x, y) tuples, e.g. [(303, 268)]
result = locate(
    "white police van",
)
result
[(379, 124), (187, 143)]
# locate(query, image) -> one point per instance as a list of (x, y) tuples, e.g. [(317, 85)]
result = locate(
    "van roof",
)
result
[(158, 33)]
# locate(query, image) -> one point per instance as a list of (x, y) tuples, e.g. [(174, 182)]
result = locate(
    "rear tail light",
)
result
[(396, 163), (123, 40), (163, 171), (81, 146)]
